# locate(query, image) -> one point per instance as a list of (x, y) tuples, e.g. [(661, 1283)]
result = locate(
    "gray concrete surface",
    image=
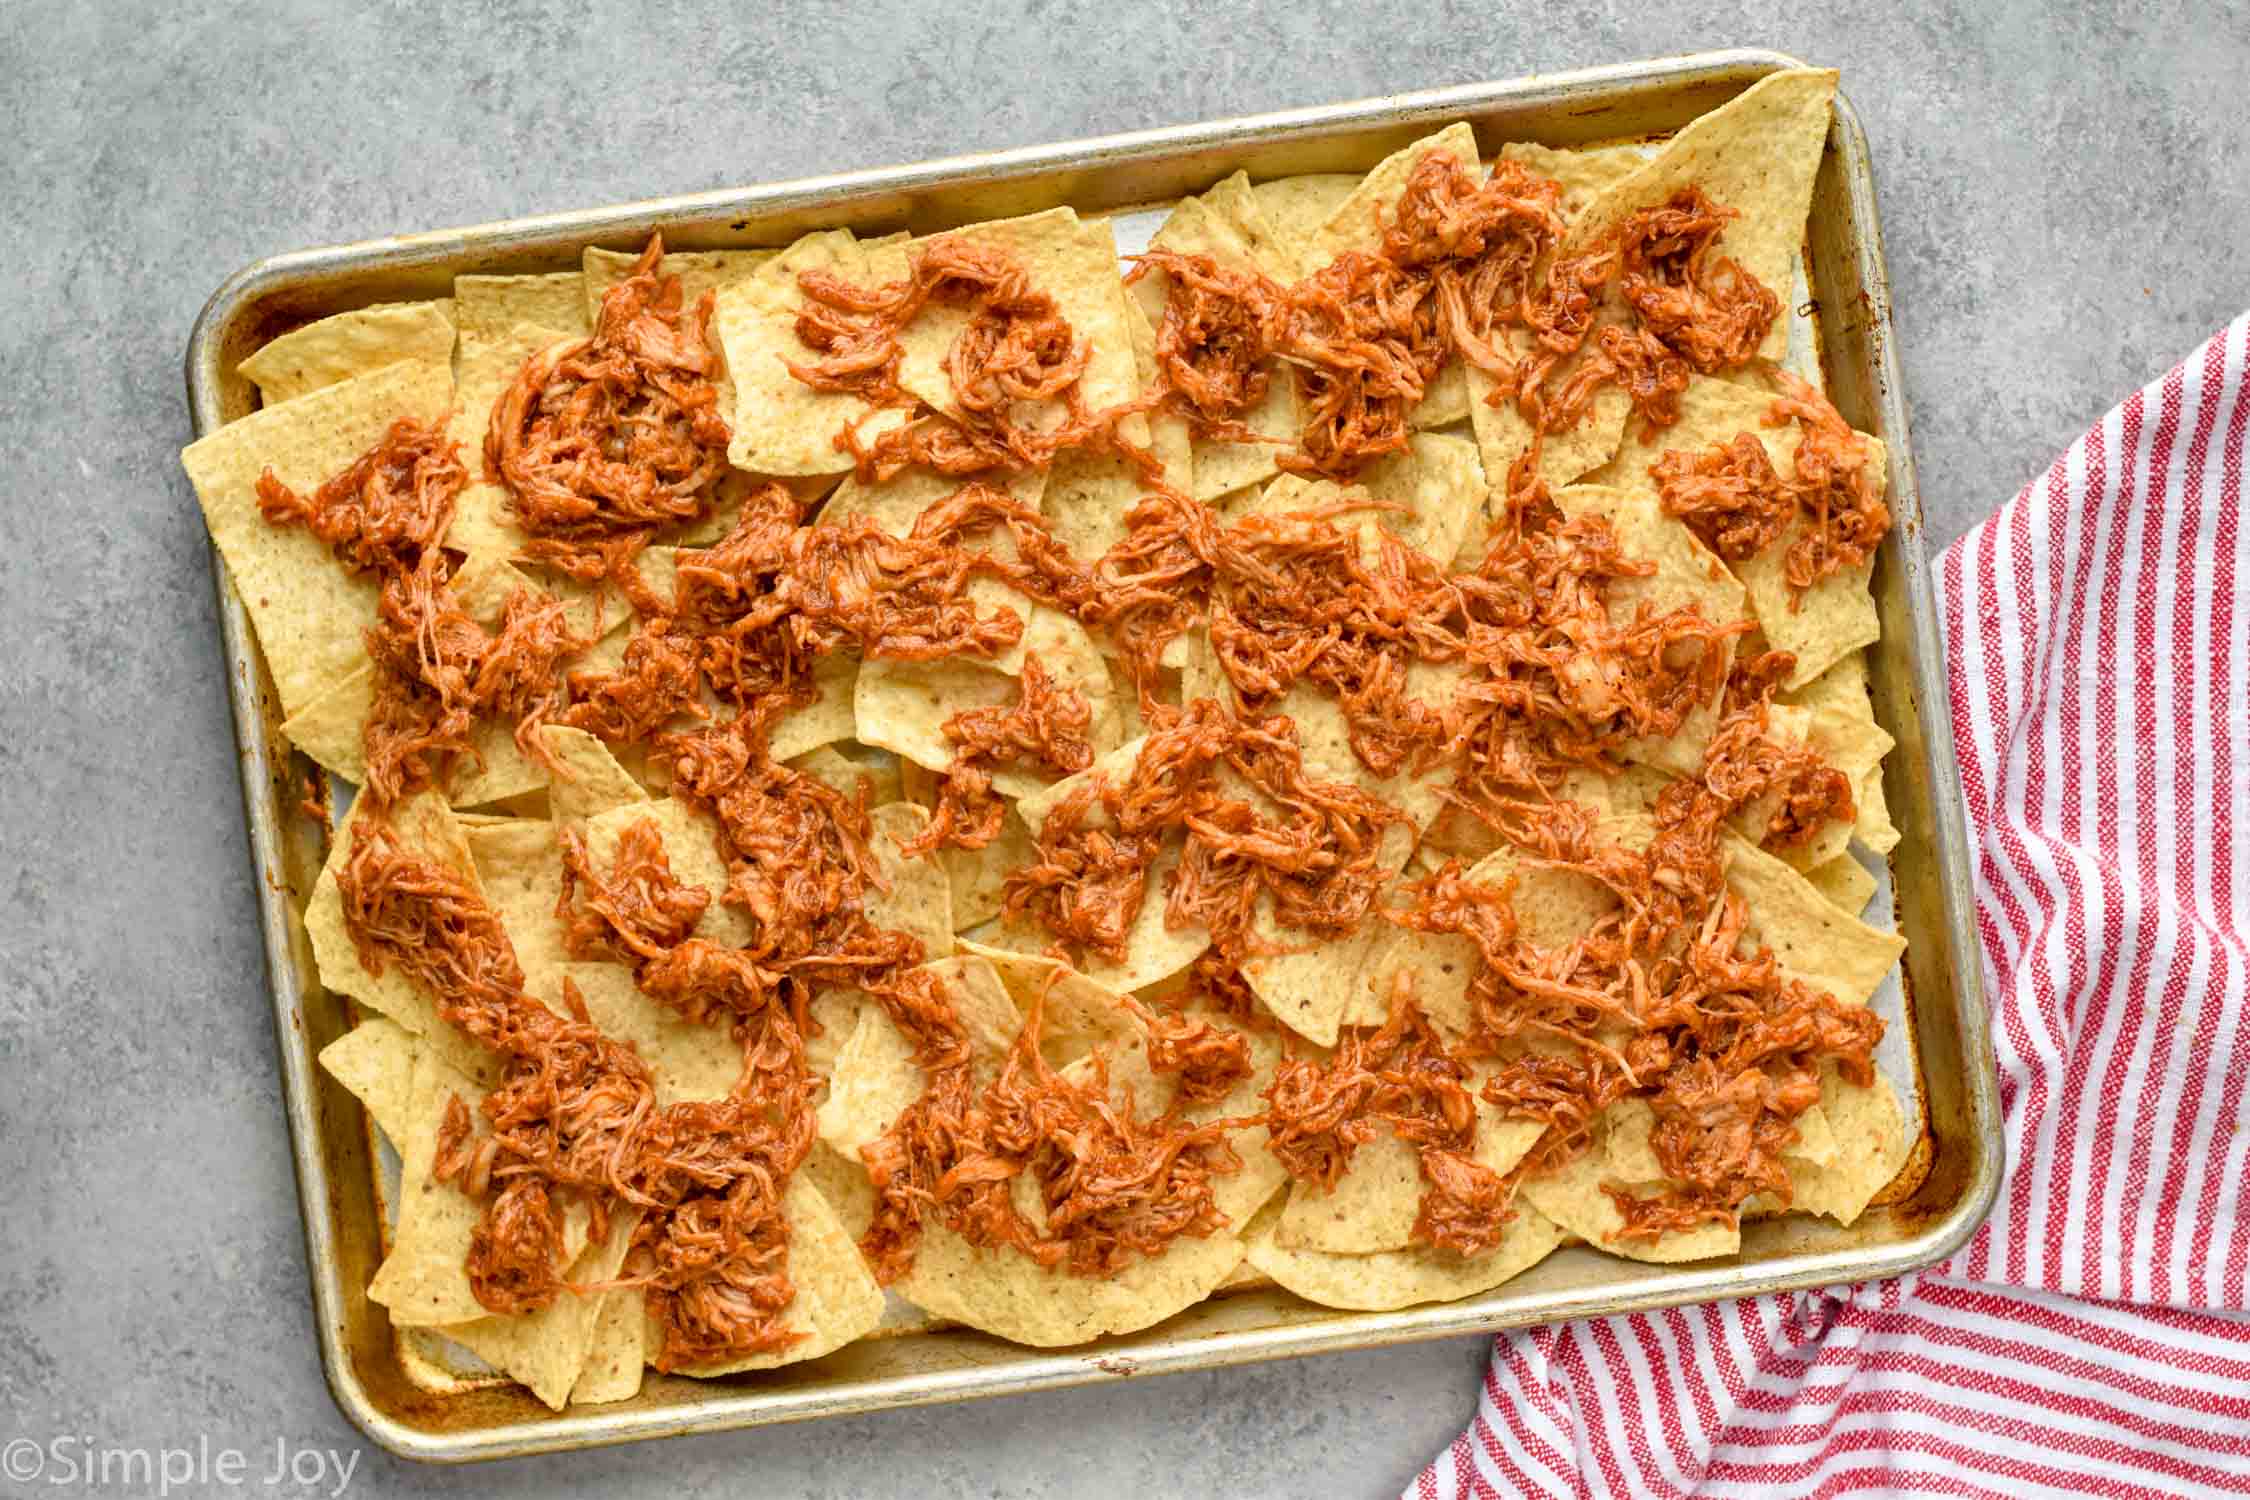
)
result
[(2065, 213)]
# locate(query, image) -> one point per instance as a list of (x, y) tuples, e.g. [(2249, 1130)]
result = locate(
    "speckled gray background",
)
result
[(2065, 214)]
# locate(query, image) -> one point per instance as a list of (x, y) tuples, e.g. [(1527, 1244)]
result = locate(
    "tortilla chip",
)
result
[(1583, 172), (1572, 1196), (898, 502), (351, 343), (979, 876), (425, 825), (1871, 1146), (1552, 907), (825, 720), (1842, 689), (1358, 224), (875, 1077), (780, 424), (1073, 262), (592, 782), (309, 612), (1376, 1201), (1756, 154), (1091, 490), (1811, 940), (490, 305), (1238, 205), (615, 1350), (1077, 1015), (1845, 882), (845, 772), (1828, 621), (1153, 950), (547, 1351), (919, 902), (1435, 484), (691, 848), (1297, 208), (837, 1299), (424, 1281), (699, 271), (1200, 227), (375, 1061), (1391, 1279)]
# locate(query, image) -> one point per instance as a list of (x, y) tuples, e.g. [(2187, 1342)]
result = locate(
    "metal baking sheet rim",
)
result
[(1164, 1349)]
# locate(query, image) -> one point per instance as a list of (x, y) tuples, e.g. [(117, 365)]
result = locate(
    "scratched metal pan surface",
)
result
[(1929, 1212)]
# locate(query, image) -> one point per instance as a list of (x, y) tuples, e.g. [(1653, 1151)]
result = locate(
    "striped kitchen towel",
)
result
[(2094, 1338)]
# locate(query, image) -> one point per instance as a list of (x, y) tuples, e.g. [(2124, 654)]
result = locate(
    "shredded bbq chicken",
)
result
[(388, 508), (1732, 497), (1045, 729), (611, 436), (1403, 1076), (1215, 340)]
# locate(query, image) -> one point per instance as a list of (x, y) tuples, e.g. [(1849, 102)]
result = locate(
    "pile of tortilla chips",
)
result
[(332, 388)]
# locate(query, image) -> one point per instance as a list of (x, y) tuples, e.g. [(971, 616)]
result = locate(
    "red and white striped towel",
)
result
[(2094, 1338)]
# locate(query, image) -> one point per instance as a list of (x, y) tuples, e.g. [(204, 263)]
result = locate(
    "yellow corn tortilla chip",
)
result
[(1553, 907), (1843, 690), (486, 361), (1075, 263), (309, 612), (1358, 224), (845, 772), (1572, 1196), (593, 782), (615, 1351), (1153, 950), (1845, 882), (1687, 574), (1431, 494), (351, 343), (1297, 208), (1828, 621), (690, 847), (1811, 940), (1090, 490), (491, 305), (920, 899), (1869, 1135), (1756, 154), (1584, 173), (781, 425), (426, 825), (1236, 202), (520, 868), (837, 1299), (375, 1061), (1391, 1279), (424, 1281), (1376, 1201), (825, 720), (547, 1351), (898, 502), (1199, 227), (980, 876), (1816, 1141), (875, 1076), (699, 271), (903, 706)]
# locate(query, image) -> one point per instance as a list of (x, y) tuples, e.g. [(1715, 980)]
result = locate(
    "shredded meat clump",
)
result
[(1014, 347), (388, 508), (1108, 1184), (1404, 1076), (1045, 729), (609, 437), (1215, 340), (1732, 497), (1369, 332), (1698, 303), (575, 1117)]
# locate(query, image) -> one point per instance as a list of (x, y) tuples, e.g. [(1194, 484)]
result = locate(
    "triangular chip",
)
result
[(351, 343), (309, 612)]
